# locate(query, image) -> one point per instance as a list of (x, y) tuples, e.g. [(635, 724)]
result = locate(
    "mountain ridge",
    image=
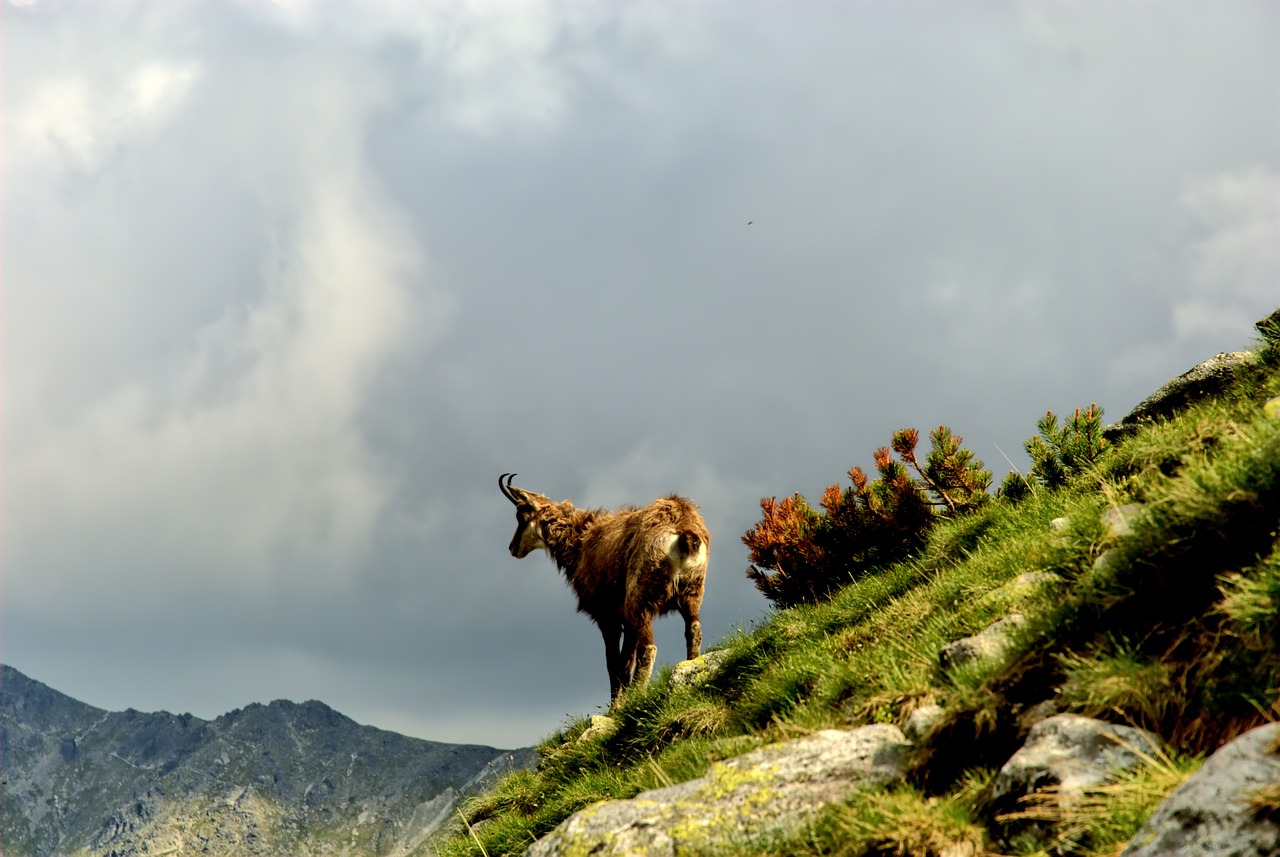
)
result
[(276, 778)]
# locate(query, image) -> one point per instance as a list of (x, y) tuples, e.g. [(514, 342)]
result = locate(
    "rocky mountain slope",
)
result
[(277, 779), (1085, 666)]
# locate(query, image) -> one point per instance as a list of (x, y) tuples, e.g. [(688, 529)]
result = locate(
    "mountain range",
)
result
[(283, 778)]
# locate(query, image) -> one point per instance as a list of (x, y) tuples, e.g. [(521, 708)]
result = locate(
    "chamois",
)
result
[(627, 568)]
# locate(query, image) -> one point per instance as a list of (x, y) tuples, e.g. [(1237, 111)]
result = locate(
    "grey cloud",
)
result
[(296, 285)]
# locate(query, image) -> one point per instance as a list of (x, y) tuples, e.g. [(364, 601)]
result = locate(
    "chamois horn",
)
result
[(506, 489)]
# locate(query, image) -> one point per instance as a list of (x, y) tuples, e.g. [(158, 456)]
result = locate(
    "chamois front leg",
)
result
[(692, 625), (627, 658), (693, 638)]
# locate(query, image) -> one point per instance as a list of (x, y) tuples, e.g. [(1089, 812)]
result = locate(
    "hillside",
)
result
[(277, 779), (1039, 677)]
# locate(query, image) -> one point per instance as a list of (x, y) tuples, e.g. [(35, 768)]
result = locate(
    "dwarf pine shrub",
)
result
[(1015, 487), (1061, 453), (1269, 329), (801, 555)]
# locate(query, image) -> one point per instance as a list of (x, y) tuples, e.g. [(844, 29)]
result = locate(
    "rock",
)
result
[(1209, 814), (770, 791), (1211, 376), (1040, 711), (921, 721), (1059, 525), (1107, 561), (1031, 581), (699, 669), (1070, 754), (990, 642), (601, 726), (1119, 519), (1020, 595)]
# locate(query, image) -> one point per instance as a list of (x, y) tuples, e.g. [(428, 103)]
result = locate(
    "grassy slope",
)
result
[(1174, 633)]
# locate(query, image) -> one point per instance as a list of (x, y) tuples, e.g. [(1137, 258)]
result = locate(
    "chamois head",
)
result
[(528, 537)]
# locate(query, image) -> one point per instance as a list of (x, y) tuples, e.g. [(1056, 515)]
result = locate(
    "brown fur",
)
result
[(619, 567)]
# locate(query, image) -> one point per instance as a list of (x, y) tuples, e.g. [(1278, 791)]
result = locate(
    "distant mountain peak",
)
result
[(78, 778)]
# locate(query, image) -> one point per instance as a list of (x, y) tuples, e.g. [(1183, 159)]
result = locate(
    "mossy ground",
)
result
[(1174, 630)]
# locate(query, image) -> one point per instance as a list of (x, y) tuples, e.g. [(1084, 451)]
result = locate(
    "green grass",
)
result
[(1118, 679), (893, 821), (1172, 629)]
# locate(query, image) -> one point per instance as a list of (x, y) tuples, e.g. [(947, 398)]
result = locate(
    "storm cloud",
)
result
[(287, 285)]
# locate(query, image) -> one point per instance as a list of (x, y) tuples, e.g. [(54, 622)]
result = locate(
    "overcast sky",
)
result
[(287, 285)]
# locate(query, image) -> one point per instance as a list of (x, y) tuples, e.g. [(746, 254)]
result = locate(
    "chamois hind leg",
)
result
[(646, 652), (613, 657)]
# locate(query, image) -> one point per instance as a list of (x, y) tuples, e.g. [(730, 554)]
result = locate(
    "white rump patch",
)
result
[(671, 547)]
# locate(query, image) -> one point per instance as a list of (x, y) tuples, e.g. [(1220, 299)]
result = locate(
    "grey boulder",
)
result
[(767, 792), (1063, 757), (1205, 379), (992, 641), (1209, 814)]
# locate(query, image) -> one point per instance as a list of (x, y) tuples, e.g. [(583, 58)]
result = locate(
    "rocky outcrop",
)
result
[(1205, 379), (990, 642), (1118, 520), (601, 726), (770, 791), (1064, 756), (697, 670), (1032, 582), (921, 721), (1226, 809), (268, 779)]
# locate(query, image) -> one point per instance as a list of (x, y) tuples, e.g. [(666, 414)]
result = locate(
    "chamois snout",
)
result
[(526, 539)]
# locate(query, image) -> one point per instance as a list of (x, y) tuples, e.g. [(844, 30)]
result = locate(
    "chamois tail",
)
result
[(688, 543)]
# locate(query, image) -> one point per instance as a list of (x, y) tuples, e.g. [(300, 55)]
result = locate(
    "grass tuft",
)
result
[(904, 822), (1264, 804), (1251, 599), (1119, 683)]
